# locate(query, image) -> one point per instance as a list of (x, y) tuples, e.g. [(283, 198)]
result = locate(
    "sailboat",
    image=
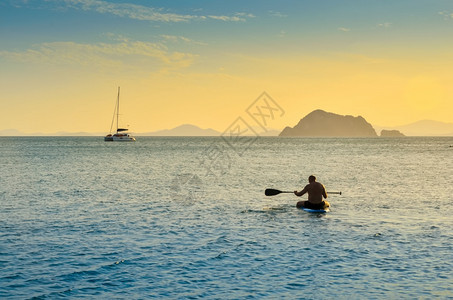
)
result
[(121, 134)]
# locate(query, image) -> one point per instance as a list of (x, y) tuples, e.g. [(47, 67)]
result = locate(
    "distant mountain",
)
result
[(14, 132), (423, 128), (64, 133), (183, 130), (11, 132), (269, 132), (319, 123), (192, 130)]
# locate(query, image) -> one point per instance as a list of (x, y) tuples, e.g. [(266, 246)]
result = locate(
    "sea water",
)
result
[(182, 218)]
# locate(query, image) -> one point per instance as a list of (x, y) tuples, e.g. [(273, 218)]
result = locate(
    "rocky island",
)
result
[(391, 133), (319, 123)]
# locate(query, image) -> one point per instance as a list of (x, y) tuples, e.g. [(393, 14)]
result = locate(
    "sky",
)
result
[(205, 62)]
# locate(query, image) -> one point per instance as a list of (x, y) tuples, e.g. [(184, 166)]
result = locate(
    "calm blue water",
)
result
[(185, 218)]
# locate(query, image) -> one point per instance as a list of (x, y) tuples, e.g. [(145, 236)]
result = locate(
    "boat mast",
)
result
[(117, 109)]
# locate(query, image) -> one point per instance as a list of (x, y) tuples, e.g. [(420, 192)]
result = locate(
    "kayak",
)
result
[(319, 211)]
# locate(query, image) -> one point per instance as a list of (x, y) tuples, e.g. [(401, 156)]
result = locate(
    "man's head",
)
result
[(311, 178)]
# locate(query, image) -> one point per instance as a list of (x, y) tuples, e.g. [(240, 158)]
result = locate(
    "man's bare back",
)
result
[(316, 193)]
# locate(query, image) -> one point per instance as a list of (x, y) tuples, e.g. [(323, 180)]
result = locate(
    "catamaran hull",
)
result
[(122, 138)]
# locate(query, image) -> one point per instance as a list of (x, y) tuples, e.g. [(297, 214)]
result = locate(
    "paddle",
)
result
[(273, 192)]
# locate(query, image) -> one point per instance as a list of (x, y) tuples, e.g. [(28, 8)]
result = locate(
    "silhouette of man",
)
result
[(316, 192)]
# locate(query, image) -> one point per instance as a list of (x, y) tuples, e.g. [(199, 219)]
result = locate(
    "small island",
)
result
[(391, 133), (325, 124)]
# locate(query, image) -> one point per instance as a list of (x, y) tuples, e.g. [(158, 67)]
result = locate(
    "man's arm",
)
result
[(324, 193), (301, 192)]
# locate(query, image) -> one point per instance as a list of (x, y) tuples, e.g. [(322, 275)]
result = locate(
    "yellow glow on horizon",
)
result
[(384, 91)]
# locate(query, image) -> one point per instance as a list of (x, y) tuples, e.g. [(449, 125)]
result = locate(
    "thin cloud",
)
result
[(128, 10), (237, 17), (132, 53), (344, 29), (446, 14), (226, 18), (385, 25), (245, 15), (277, 14), (144, 13), (179, 38), (172, 38)]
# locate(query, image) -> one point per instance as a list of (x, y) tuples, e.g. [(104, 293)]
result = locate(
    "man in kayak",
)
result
[(316, 192)]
